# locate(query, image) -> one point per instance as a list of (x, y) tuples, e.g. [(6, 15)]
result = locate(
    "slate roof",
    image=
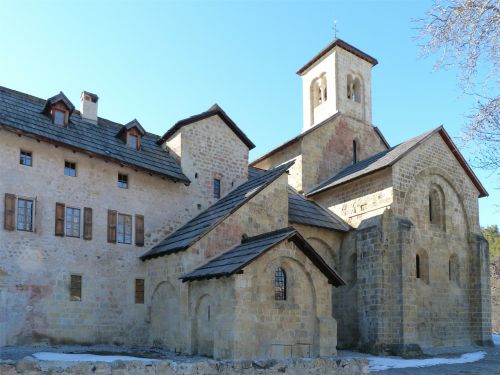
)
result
[(303, 211), (235, 260), (212, 111), (22, 113), (342, 44), (196, 228), (388, 157)]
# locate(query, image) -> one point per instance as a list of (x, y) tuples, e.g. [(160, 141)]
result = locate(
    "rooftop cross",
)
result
[(334, 28)]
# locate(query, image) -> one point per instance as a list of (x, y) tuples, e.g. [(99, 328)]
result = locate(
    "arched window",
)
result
[(354, 152), (454, 269), (279, 284), (436, 207), (319, 93), (353, 89)]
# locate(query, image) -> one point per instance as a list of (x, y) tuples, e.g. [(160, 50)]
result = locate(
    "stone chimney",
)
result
[(88, 106)]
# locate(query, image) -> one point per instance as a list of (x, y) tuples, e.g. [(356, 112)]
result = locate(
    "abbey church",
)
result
[(334, 239)]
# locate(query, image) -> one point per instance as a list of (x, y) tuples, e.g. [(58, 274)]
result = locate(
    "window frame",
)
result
[(121, 228), (21, 152), (33, 214), (216, 192), (133, 136), (54, 116), (280, 284), (72, 234), (66, 168), (122, 183)]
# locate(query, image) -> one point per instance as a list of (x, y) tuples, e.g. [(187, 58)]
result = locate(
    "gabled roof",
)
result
[(303, 211), (21, 113), (212, 111), (196, 228), (236, 259), (299, 137), (56, 99), (388, 157), (130, 125), (340, 43)]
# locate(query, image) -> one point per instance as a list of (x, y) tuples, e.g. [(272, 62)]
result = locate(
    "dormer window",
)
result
[(59, 117), (59, 109), (131, 134)]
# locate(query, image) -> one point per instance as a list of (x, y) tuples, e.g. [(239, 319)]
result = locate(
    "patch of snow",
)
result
[(496, 338), (386, 363), (64, 357)]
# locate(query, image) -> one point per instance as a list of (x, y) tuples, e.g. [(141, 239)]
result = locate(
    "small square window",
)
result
[(217, 188), (25, 158), (59, 117), (69, 168), (132, 141), (122, 181)]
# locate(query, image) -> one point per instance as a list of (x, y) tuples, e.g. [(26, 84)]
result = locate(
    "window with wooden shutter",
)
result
[(60, 212), (112, 226), (87, 223), (139, 230), (139, 291), (9, 212), (76, 288)]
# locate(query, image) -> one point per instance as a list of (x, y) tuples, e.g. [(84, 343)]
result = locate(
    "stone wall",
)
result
[(361, 199), (319, 366), (207, 149), (266, 211), (300, 326), (36, 266), (495, 293)]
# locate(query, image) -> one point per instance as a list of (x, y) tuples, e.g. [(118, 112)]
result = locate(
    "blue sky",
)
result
[(163, 61)]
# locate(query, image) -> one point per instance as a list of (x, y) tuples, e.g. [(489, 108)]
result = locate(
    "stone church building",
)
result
[(334, 239)]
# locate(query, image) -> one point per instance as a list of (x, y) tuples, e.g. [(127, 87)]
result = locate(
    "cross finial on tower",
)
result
[(334, 28)]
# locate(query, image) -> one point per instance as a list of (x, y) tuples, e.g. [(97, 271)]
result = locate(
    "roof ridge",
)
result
[(268, 234)]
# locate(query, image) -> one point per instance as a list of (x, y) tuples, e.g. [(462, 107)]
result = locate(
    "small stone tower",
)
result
[(338, 79)]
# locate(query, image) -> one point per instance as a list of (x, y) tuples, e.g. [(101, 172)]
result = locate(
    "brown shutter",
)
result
[(87, 223), (139, 290), (59, 219), (112, 226), (139, 230), (9, 212)]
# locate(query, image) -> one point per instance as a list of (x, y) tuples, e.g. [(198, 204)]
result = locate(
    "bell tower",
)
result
[(337, 79)]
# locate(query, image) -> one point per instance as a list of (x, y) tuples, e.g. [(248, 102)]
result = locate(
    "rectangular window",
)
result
[(139, 291), (216, 187), (69, 168), (25, 158), (59, 117), (132, 141), (72, 222), (124, 229), (25, 215), (76, 288), (122, 181)]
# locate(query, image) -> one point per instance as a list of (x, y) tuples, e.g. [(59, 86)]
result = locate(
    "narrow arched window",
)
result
[(354, 152), (436, 207), (279, 284), (454, 268), (417, 266)]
